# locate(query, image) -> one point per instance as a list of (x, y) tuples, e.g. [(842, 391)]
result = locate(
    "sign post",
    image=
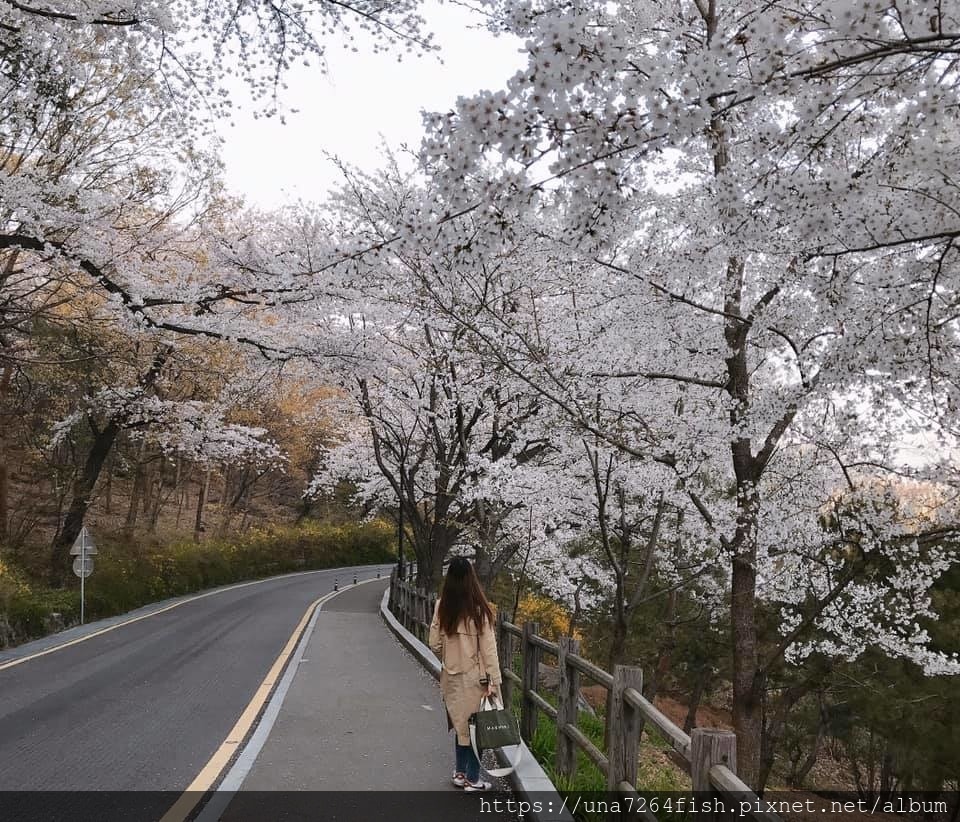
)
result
[(83, 549)]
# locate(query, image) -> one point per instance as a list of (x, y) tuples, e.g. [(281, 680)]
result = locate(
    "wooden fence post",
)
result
[(709, 747), (568, 693), (415, 611), (411, 614), (422, 614), (531, 675), (505, 650), (624, 727)]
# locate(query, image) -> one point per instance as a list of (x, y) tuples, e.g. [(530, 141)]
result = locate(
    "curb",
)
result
[(533, 786)]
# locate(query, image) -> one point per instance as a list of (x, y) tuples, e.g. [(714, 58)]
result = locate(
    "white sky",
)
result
[(363, 100)]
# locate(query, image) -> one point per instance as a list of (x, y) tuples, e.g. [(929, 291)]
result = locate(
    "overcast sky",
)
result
[(361, 101)]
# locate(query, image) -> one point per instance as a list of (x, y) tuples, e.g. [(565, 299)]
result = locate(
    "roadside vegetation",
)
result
[(126, 578)]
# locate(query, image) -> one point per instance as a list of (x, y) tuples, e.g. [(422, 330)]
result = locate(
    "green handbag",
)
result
[(492, 726)]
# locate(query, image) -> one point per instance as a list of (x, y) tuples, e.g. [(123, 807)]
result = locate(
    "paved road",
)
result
[(144, 706)]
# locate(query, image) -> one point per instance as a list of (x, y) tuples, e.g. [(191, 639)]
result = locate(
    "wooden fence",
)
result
[(709, 755)]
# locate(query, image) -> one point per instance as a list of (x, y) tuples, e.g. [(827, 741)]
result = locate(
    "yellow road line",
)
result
[(210, 772), (21, 660)]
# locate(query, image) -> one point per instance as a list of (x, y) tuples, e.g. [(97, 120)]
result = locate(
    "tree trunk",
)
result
[(665, 651), (178, 490), (431, 547), (618, 649), (304, 508), (201, 501), (181, 499), (82, 492), (4, 491), (483, 565), (799, 773), (747, 713), (158, 500), (5, 378), (136, 491), (618, 642), (226, 506), (108, 490), (146, 489), (775, 728), (225, 487), (577, 609), (699, 687)]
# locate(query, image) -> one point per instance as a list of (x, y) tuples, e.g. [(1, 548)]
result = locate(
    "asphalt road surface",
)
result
[(143, 707)]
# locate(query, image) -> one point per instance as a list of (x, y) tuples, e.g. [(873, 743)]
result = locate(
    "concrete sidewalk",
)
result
[(361, 734)]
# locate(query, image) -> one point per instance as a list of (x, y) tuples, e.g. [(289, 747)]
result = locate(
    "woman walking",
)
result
[(462, 635)]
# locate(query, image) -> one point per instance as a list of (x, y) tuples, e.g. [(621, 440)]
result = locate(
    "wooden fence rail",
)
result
[(709, 754)]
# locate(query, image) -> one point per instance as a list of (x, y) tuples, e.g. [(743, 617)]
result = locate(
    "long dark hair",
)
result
[(462, 598)]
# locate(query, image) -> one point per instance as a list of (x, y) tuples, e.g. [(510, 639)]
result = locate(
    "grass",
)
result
[(656, 775), (129, 576)]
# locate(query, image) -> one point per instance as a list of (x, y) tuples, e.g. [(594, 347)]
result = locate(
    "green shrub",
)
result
[(588, 781), (127, 577)]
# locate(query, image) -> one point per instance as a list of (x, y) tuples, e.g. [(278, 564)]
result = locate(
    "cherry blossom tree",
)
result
[(763, 201), (445, 436), (109, 150), (147, 409)]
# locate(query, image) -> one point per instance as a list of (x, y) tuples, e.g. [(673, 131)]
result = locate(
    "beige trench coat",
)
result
[(463, 655)]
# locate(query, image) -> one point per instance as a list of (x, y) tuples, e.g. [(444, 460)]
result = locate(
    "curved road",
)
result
[(143, 707)]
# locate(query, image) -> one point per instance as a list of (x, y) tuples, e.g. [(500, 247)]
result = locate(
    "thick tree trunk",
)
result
[(747, 685), (747, 713), (82, 492), (484, 568), (431, 555)]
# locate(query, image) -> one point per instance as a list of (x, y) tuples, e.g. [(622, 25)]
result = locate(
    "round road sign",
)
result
[(83, 567)]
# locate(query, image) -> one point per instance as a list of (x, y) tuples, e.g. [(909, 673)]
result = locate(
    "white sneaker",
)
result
[(459, 779), (479, 785)]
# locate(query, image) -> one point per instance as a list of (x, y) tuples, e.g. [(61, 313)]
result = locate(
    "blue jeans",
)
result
[(467, 762)]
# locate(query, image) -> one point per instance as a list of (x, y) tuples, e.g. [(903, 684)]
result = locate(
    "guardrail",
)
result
[(709, 755)]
